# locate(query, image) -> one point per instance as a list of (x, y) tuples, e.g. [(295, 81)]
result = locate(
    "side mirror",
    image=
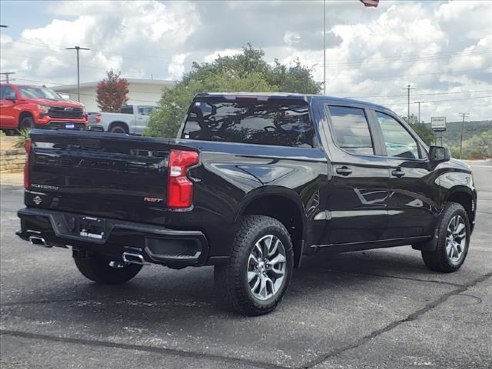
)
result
[(439, 154)]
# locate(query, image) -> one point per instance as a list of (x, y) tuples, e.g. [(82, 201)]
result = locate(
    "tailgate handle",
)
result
[(344, 171), (397, 172)]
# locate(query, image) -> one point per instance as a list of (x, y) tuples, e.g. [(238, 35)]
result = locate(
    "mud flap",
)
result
[(430, 245)]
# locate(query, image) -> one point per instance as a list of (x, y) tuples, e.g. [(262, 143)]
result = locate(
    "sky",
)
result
[(443, 49)]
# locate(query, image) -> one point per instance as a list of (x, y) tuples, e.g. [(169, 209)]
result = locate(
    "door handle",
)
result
[(397, 172), (344, 171)]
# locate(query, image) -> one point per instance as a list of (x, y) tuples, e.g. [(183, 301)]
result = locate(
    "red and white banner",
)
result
[(373, 3)]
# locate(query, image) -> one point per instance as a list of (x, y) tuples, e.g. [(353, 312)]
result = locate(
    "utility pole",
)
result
[(324, 47), (78, 48), (7, 74), (463, 115), (409, 87), (419, 102)]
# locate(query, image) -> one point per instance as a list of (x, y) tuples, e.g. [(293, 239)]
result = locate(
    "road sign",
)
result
[(438, 123)]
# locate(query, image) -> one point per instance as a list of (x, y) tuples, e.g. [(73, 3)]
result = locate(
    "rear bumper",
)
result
[(95, 127), (158, 245)]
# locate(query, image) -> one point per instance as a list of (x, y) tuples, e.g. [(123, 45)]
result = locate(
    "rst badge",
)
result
[(153, 200)]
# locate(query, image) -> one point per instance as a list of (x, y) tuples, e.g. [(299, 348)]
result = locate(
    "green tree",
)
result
[(424, 132), (245, 72), (478, 146), (112, 92)]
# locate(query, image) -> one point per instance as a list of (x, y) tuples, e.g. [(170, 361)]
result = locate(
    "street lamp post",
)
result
[(78, 48)]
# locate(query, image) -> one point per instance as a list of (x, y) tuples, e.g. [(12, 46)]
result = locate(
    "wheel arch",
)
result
[(119, 123), (284, 205), (25, 114), (462, 196), (465, 198)]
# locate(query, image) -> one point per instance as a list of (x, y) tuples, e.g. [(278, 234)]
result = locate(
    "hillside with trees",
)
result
[(477, 139)]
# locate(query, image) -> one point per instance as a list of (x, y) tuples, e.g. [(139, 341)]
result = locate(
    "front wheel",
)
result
[(26, 123), (259, 269), (104, 271), (453, 241)]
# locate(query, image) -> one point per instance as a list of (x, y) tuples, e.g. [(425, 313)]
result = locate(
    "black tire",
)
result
[(450, 252), (26, 123), (235, 290), (118, 128), (98, 269)]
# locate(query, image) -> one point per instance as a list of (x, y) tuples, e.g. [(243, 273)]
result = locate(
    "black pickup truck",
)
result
[(252, 183)]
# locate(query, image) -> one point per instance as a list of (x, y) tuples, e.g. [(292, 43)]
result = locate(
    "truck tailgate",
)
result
[(117, 176)]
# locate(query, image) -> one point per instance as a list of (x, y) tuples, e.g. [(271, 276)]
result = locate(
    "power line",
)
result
[(419, 94), (402, 58), (446, 100)]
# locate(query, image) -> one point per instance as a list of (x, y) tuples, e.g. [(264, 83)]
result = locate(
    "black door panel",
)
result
[(356, 195), (411, 183)]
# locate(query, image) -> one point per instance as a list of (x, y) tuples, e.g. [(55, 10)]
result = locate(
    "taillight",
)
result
[(179, 187), (98, 118), (27, 147)]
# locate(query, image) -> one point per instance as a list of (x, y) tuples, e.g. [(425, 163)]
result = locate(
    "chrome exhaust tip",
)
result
[(38, 240), (133, 258)]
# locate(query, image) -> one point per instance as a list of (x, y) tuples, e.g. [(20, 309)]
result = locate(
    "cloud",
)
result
[(438, 47)]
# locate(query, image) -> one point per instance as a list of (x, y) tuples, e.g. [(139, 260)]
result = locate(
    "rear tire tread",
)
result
[(97, 269), (229, 278)]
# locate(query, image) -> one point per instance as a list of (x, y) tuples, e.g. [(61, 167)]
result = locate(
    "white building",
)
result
[(141, 92)]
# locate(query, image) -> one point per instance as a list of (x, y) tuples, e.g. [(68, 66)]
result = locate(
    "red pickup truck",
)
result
[(26, 107)]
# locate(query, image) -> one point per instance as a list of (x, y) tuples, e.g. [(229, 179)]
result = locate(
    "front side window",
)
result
[(398, 142), (351, 130), (145, 110), (277, 122)]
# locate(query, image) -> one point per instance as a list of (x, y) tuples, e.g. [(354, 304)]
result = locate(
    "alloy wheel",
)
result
[(266, 267), (455, 239)]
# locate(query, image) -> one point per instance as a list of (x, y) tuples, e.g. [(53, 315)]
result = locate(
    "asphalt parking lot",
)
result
[(372, 309)]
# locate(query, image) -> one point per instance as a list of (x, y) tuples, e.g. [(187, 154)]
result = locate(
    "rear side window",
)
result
[(6, 92), (351, 130), (126, 109), (277, 122)]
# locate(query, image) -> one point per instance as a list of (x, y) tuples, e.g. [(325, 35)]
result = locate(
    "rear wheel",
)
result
[(259, 269), (104, 271), (453, 241), (118, 128)]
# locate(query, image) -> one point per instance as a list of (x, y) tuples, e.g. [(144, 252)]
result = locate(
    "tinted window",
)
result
[(7, 91), (397, 140), (34, 92), (145, 110), (126, 109), (283, 123), (351, 130)]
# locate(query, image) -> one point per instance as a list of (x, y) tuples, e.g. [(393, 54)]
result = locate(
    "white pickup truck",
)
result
[(132, 119)]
